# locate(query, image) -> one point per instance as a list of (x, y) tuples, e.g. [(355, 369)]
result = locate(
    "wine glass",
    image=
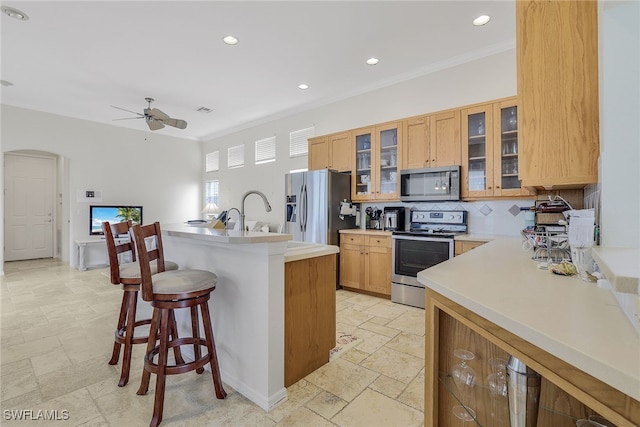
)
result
[(464, 413), (497, 380), (462, 373)]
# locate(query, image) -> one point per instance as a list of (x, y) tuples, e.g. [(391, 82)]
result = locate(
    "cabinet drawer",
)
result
[(382, 241), (354, 239)]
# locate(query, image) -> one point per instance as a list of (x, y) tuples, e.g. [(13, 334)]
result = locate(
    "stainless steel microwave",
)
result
[(430, 184)]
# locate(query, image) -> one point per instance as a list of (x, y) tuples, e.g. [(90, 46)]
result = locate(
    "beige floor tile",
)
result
[(371, 341), (32, 399), (352, 317), (29, 349), (408, 343), (20, 365), (388, 386), (78, 404), (304, 417), (363, 300), (326, 404), (374, 409), (17, 383), (379, 329), (387, 311), (355, 356), (50, 362), (298, 394), (394, 364), (413, 395), (99, 421), (412, 321), (71, 378), (342, 378)]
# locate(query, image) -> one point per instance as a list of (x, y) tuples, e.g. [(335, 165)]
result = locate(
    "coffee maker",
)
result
[(393, 218)]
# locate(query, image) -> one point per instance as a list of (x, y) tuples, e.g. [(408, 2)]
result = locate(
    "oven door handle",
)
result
[(422, 238)]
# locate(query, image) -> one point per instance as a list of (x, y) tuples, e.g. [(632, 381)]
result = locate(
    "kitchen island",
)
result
[(571, 332), (248, 305)]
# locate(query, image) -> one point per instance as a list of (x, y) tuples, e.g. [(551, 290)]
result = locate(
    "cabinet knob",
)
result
[(497, 186), (488, 188)]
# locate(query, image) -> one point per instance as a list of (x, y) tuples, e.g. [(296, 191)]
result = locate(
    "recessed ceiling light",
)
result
[(230, 40), (15, 13), (303, 86), (481, 20), (372, 61)]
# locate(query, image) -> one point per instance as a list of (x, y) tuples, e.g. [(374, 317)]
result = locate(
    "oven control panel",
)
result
[(439, 217)]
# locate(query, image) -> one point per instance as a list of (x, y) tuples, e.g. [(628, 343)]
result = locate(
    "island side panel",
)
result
[(247, 311), (310, 315)]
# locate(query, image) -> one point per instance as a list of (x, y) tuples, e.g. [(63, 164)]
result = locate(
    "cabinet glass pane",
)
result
[(388, 161), (363, 164), (477, 152), (509, 148)]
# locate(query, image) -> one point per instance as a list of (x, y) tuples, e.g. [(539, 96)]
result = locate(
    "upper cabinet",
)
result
[(557, 59), (375, 172), (490, 151), (445, 139), (432, 141), (331, 152)]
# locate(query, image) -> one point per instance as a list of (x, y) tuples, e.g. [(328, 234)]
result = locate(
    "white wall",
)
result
[(161, 173), (477, 81), (619, 123)]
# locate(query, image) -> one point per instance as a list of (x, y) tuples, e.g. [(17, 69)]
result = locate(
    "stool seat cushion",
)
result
[(131, 270), (183, 281)]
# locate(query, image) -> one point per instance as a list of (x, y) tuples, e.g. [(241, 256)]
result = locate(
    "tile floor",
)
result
[(57, 334)]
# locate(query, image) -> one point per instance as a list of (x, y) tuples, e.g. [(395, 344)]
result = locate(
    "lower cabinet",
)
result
[(462, 246), (365, 263), (309, 315), (457, 337)]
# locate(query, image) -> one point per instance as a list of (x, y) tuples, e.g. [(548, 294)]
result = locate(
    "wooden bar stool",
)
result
[(127, 274), (167, 292)]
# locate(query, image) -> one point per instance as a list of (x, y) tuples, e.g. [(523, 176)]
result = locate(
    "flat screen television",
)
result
[(113, 214)]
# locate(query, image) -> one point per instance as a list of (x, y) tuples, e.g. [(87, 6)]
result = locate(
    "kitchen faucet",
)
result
[(267, 206)]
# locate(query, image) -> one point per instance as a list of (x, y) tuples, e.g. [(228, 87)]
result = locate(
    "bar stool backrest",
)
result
[(116, 248), (148, 244)]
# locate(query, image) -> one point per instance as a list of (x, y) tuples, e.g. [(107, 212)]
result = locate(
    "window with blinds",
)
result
[(211, 192), (266, 150), (212, 163), (298, 145), (236, 156)]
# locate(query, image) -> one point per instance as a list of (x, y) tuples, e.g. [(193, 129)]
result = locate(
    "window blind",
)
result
[(298, 145), (236, 156), (266, 150), (213, 161)]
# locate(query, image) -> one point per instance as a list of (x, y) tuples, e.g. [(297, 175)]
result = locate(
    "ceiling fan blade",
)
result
[(155, 113), (154, 124), (129, 118), (176, 123), (128, 111)]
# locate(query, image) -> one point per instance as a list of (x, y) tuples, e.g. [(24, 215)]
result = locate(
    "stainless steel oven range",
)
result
[(428, 242)]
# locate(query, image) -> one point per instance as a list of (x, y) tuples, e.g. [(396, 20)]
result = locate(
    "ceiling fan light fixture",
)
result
[(481, 20), (230, 40), (15, 13), (372, 61)]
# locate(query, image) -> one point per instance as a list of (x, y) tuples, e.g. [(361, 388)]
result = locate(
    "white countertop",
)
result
[(222, 236), (297, 251), (621, 267), (568, 318)]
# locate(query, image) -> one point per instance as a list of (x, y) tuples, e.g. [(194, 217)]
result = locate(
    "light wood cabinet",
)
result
[(416, 148), (376, 166), (557, 63), (566, 394), (445, 146), (490, 151), (462, 246), (309, 315), (331, 152), (365, 262)]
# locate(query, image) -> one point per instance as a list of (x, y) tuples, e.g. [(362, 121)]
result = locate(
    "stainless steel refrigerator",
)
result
[(312, 212)]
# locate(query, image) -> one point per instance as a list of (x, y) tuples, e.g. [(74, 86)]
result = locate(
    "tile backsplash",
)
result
[(497, 217)]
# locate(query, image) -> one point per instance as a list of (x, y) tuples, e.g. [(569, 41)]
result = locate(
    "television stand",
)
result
[(92, 253)]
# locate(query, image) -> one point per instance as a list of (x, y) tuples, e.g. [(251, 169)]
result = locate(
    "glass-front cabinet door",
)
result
[(377, 162), (387, 165), (477, 153), (506, 150), (362, 183)]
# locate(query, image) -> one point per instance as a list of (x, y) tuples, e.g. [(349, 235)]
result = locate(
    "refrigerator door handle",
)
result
[(304, 209)]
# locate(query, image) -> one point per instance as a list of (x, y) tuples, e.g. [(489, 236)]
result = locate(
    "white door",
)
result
[(29, 202)]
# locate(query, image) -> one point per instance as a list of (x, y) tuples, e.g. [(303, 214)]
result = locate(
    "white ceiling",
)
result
[(78, 58)]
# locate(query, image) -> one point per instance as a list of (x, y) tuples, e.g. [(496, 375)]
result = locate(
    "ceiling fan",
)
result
[(155, 118)]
